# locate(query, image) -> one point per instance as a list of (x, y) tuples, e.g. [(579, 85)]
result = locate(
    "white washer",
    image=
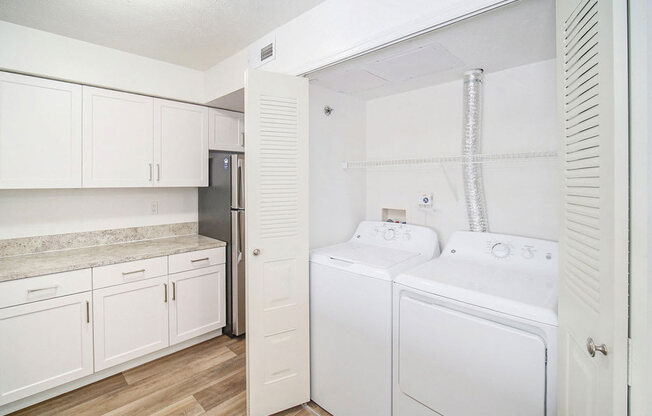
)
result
[(351, 315), (475, 330)]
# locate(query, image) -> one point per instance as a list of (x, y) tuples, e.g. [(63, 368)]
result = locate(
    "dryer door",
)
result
[(462, 365)]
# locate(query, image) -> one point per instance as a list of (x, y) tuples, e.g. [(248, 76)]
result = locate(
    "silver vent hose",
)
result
[(476, 206)]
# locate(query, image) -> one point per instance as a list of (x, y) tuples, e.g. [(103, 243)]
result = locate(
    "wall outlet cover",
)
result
[(425, 200)]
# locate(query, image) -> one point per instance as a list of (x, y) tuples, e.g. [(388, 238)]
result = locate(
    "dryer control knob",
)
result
[(528, 253), (500, 250), (390, 234)]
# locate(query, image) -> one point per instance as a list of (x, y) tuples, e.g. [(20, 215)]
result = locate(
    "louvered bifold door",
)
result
[(592, 77), (276, 189)]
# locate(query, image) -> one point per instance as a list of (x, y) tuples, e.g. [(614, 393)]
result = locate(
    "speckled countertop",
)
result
[(19, 267)]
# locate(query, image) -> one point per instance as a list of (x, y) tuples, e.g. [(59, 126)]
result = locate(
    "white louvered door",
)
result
[(276, 187), (592, 74)]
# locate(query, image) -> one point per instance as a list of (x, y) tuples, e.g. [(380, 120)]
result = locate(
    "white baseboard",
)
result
[(64, 388)]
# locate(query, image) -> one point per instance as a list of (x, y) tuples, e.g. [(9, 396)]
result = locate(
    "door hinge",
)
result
[(630, 355)]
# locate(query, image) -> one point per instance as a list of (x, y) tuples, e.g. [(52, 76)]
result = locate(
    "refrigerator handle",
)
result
[(240, 184), (235, 188), (236, 256)]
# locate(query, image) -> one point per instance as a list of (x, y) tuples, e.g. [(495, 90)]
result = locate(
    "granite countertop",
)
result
[(29, 265)]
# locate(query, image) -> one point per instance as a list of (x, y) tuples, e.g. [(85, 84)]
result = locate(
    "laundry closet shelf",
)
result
[(479, 158)]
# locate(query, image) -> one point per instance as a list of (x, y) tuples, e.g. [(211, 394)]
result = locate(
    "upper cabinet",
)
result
[(226, 130), (40, 133), (118, 139), (136, 141), (61, 135), (180, 144)]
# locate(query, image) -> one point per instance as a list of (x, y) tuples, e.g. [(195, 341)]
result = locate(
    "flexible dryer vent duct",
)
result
[(473, 186)]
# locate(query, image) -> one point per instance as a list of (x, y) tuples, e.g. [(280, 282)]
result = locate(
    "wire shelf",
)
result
[(480, 158)]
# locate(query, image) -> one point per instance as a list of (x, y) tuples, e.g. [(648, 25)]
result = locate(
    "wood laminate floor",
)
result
[(206, 379)]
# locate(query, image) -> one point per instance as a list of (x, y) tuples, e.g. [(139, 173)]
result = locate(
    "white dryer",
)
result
[(475, 331), (351, 315)]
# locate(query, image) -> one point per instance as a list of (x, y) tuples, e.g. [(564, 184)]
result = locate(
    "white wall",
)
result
[(336, 29), (337, 196), (45, 54), (519, 115), (25, 213)]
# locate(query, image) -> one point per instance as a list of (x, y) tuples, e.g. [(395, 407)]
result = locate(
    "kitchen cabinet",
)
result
[(45, 344), (40, 133), (180, 144), (226, 130), (130, 320), (118, 144), (198, 302)]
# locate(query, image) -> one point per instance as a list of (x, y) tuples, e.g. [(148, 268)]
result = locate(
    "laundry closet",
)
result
[(386, 129)]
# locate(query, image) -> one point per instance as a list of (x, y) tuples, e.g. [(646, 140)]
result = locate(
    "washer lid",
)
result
[(368, 255), (366, 259), (520, 293)]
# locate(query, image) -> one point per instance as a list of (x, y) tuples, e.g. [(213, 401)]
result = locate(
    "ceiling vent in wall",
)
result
[(263, 51)]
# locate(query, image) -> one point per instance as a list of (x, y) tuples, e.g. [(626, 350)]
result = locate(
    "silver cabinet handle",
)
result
[(133, 272), (42, 289), (197, 260), (88, 312), (158, 172), (174, 291), (592, 348), (255, 252), (150, 172), (165, 286)]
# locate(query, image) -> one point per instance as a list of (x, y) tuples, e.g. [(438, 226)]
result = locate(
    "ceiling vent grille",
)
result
[(262, 52), (266, 52)]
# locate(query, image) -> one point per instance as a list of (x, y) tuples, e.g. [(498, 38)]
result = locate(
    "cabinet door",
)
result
[(226, 130), (40, 133), (180, 144), (130, 320), (198, 303), (118, 139), (44, 344)]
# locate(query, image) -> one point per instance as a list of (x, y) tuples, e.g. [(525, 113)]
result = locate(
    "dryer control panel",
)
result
[(522, 252), (408, 237)]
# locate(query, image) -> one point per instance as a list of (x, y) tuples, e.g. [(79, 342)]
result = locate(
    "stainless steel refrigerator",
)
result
[(221, 216)]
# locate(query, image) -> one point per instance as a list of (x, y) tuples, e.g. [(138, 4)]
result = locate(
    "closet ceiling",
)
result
[(196, 34), (513, 35)]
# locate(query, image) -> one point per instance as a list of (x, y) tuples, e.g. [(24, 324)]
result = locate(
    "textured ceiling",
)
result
[(193, 33)]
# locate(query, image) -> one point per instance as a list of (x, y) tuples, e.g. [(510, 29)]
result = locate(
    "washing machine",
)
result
[(351, 315), (475, 330)]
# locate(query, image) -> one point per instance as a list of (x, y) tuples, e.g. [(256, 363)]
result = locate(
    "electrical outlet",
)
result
[(153, 207)]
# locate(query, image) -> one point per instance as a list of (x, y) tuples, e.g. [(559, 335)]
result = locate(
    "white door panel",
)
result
[(45, 344), (180, 144), (278, 354), (118, 139), (131, 320), (443, 354), (197, 303), (592, 74), (40, 133)]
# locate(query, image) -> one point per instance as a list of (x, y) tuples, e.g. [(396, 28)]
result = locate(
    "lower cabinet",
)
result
[(130, 320), (45, 344), (197, 302)]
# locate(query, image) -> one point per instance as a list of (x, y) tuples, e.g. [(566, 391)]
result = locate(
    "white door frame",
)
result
[(640, 60)]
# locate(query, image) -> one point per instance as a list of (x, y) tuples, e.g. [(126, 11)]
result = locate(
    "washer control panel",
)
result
[(399, 236)]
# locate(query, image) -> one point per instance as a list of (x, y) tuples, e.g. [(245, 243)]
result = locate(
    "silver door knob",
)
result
[(592, 348), (256, 252)]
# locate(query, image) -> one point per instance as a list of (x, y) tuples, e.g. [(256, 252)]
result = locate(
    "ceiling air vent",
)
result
[(266, 52), (263, 51)]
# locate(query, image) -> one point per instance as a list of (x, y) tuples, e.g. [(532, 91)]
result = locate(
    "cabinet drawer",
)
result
[(197, 259), (48, 286), (116, 274)]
